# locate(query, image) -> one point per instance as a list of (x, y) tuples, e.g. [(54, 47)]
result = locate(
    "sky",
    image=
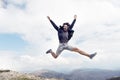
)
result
[(26, 34)]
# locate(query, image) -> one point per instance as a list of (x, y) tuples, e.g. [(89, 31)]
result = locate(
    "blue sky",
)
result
[(26, 34), (12, 42)]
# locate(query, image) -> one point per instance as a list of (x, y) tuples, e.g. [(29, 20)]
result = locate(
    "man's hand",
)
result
[(48, 17), (75, 16)]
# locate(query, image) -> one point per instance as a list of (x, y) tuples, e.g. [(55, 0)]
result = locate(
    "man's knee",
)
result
[(56, 56), (75, 49)]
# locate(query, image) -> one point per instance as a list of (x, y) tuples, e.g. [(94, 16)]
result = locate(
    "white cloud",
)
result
[(8, 60), (19, 4), (96, 29)]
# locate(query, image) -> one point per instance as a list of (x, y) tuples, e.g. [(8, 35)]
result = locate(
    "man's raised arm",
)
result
[(54, 25), (71, 26)]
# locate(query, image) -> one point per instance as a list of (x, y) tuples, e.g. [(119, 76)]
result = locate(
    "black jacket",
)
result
[(60, 31)]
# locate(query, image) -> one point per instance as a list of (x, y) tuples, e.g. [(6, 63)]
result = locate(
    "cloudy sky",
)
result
[(26, 34)]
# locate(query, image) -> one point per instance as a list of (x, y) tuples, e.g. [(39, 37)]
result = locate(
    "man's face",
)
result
[(65, 27)]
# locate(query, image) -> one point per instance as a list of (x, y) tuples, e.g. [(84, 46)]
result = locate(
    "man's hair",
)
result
[(66, 24)]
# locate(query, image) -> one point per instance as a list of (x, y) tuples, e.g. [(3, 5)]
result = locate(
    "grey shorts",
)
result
[(63, 46)]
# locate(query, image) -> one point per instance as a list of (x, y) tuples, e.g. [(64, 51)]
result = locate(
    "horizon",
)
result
[(69, 71)]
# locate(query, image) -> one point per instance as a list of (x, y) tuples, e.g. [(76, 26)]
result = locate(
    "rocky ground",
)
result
[(13, 75)]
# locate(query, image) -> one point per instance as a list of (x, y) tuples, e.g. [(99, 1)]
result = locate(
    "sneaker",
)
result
[(49, 51), (93, 55)]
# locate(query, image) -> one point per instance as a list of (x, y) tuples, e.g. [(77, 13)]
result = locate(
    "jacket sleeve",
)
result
[(71, 26), (54, 25)]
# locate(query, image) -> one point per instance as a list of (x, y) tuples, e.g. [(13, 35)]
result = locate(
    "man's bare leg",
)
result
[(52, 53), (81, 52)]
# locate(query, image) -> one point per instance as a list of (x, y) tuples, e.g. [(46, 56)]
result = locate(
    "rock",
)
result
[(13, 75)]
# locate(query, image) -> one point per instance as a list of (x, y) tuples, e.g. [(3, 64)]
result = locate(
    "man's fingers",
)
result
[(75, 16), (48, 17)]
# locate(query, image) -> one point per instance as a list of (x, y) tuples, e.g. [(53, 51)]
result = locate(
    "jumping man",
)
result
[(65, 33)]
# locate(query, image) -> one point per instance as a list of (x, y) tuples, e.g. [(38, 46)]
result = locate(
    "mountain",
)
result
[(79, 74), (13, 75), (49, 74), (114, 78), (93, 74)]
